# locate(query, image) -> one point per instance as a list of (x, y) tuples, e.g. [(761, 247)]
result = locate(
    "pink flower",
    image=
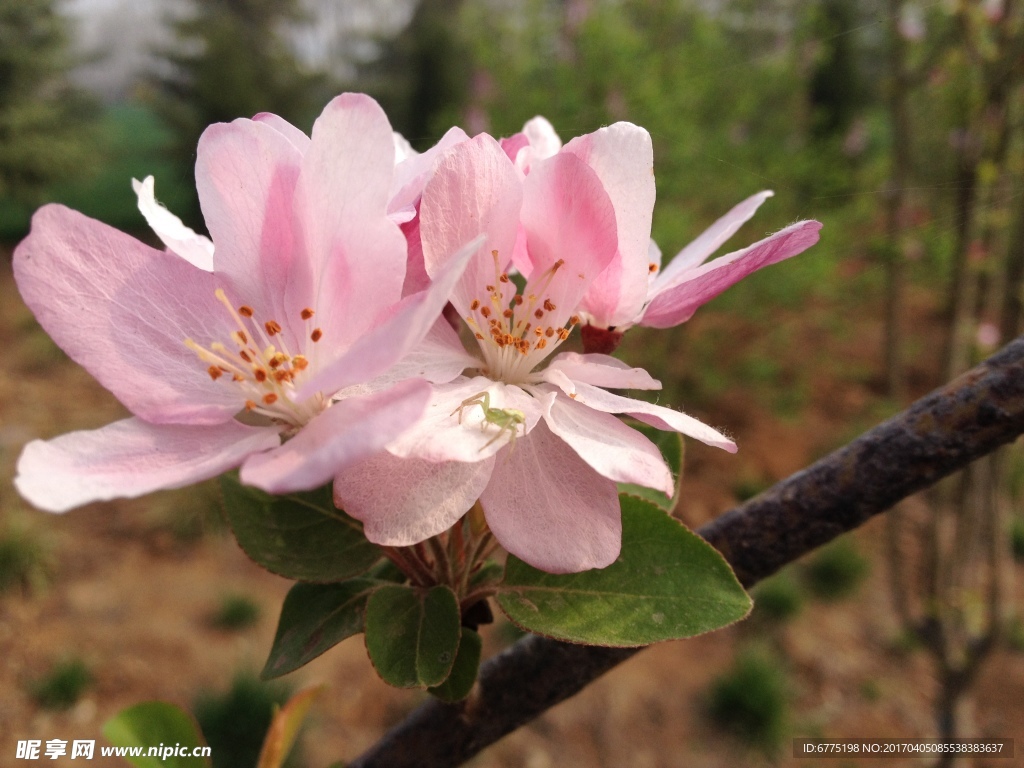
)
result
[(633, 289), (208, 346), (540, 448)]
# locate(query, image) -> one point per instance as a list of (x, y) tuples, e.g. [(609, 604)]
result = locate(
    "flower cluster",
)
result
[(304, 341)]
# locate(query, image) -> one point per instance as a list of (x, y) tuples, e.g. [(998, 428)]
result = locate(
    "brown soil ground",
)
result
[(132, 586)]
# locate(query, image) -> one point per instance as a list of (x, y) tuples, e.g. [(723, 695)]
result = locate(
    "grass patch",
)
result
[(62, 686), (235, 722), (236, 612), (836, 571), (779, 598), (25, 560), (1017, 539), (750, 702)]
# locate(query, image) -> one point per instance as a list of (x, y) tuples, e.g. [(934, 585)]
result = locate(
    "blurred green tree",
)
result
[(45, 122), (421, 76), (233, 58)]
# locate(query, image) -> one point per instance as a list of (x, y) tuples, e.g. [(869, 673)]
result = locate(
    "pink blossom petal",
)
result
[(622, 156), (441, 436), (123, 311), (341, 201), (615, 450), (195, 249), (131, 458), (439, 358), (474, 190), (246, 173), (416, 277), (414, 171), (406, 501), (298, 139), (547, 507), (403, 149), (711, 239), (347, 432), (601, 371), (568, 218), (655, 415), (676, 304), (543, 142), (512, 144), (392, 338)]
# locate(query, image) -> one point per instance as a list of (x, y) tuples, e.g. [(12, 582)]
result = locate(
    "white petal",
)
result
[(601, 371), (655, 415), (547, 507), (439, 435), (615, 450), (346, 433), (130, 458), (406, 501), (195, 249)]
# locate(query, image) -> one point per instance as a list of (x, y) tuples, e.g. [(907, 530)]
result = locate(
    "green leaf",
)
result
[(300, 536), (314, 618), (463, 674), (668, 583), (412, 635), (153, 723), (672, 450)]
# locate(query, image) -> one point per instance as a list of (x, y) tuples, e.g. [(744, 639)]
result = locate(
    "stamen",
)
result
[(548, 305), (264, 372), (475, 305), (652, 267), (539, 314), (574, 320)]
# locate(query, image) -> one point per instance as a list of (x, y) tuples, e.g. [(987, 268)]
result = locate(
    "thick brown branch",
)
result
[(938, 435)]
